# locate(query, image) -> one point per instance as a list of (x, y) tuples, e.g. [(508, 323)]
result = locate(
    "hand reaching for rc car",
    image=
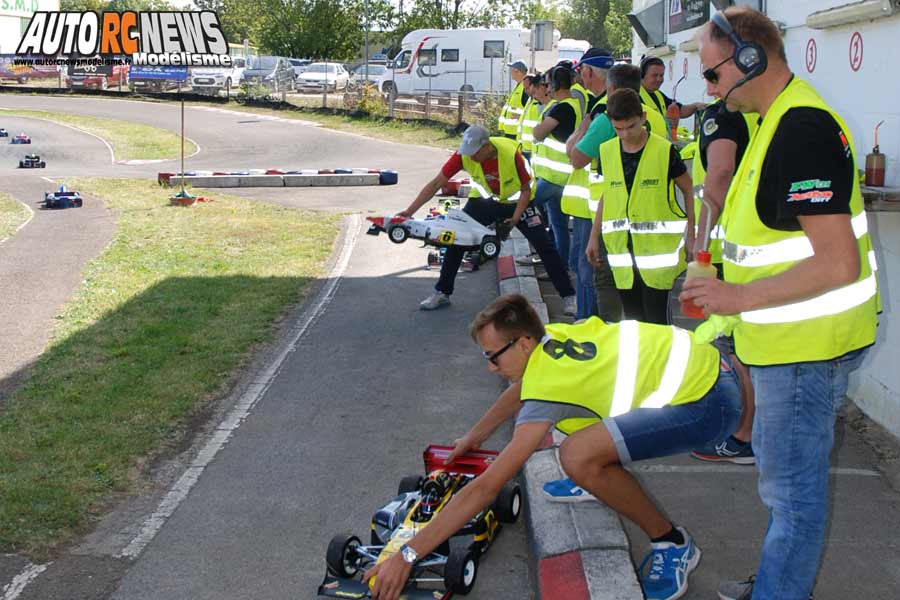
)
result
[(460, 447), (392, 576)]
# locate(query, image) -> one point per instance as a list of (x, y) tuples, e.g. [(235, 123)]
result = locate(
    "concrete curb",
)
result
[(580, 550)]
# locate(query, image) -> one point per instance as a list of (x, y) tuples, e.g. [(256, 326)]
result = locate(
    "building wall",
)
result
[(863, 97), (14, 17)]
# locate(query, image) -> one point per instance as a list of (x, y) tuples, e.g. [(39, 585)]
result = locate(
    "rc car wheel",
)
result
[(78, 203), (342, 558), (490, 246), (398, 234), (410, 483), (508, 504), (460, 571)]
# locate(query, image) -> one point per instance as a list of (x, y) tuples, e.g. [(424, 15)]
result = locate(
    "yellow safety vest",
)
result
[(612, 368), (531, 116), (551, 162), (510, 184), (512, 111), (579, 90), (651, 107), (650, 215), (819, 328), (698, 176)]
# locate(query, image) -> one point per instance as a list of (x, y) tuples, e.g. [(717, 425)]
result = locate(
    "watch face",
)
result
[(409, 555)]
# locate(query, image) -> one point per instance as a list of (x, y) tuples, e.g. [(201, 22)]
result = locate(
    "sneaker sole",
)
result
[(738, 460), (430, 308), (569, 499)]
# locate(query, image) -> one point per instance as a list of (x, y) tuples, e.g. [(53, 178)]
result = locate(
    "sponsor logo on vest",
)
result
[(650, 182), (616, 184)]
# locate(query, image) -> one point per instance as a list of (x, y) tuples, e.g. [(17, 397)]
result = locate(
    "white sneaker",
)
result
[(434, 301), (529, 260), (569, 306)]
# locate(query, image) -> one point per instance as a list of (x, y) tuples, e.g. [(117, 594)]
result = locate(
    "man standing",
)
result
[(551, 164), (800, 272), (576, 198), (497, 169), (617, 404), (645, 232), (531, 115), (512, 111), (653, 74)]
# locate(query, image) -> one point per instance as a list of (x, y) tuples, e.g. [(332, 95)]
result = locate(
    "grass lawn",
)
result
[(161, 322), (12, 214), (129, 141)]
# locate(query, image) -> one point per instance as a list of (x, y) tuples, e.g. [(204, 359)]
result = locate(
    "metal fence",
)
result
[(452, 110)]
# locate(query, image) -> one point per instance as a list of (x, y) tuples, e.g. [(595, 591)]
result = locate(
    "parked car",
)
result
[(299, 65), (328, 76), (272, 72), (376, 74), (85, 79), (212, 80)]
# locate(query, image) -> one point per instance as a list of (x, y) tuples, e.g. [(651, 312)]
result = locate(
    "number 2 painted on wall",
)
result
[(856, 51)]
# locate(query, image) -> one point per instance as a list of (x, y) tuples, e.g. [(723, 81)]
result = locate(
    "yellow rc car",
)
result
[(453, 566)]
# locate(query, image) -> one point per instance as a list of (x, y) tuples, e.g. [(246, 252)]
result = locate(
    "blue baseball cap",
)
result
[(597, 57)]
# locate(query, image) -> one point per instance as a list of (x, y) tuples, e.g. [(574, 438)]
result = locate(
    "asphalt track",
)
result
[(369, 384)]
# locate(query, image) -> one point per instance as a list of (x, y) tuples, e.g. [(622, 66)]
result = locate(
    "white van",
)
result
[(572, 49), (449, 61), (212, 80)]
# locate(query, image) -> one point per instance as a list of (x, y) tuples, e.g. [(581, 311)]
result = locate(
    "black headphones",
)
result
[(559, 77), (648, 61), (749, 57)]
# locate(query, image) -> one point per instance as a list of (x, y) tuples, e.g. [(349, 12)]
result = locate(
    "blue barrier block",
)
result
[(387, 177)]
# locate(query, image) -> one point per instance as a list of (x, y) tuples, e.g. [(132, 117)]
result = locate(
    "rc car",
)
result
[(62, 198), (455, 228), (454, 563), (3, 132), (32, 161), (21, 139)]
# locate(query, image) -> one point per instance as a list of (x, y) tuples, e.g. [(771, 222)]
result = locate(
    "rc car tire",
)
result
[(398, 234), (410, 483), (460, 571), (490, 246), (508, 504), (78, 203), (341, 557)]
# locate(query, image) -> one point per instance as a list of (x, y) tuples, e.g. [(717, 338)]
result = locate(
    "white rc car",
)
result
[(455, 228)]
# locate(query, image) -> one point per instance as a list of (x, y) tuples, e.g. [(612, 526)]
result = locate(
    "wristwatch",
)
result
[(409, 555)]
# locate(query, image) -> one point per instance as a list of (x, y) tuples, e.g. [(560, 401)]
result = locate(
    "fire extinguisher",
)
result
[(875, 163)]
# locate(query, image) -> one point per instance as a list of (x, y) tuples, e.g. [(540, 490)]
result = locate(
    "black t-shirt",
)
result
[(565, 117), (524, 96), (630, 164), (721, 124), (808, 170), (666, 99)]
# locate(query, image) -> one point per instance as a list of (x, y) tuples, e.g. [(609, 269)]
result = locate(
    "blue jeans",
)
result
[(793, 432), (645, 433), (585, 296), (548, 197)]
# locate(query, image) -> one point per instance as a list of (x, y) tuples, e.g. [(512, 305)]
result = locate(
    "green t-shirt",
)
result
[(601, 130)]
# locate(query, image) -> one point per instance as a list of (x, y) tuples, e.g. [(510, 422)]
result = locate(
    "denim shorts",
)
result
[(656, 432)]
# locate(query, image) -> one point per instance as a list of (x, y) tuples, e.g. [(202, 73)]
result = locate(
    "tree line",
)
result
[(335, 29)]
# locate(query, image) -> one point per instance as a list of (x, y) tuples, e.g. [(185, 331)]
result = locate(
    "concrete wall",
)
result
[(862, 97), (876, 386)]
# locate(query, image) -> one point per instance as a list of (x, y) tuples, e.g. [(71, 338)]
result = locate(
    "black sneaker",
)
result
[(731, 450)]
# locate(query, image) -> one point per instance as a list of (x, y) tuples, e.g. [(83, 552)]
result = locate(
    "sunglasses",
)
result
[(493, 357), (710, 74)]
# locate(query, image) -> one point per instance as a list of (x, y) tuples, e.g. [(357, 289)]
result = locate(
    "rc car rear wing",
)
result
[(475, 462)]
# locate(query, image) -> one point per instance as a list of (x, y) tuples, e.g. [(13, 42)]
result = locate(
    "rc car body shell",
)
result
[(3, 132), (395, 523), (452, 228), (62, 198), (21, 139), (32, 161)]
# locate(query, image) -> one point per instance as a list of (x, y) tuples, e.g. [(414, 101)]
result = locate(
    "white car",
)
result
[(455, 228), (212, 80), (323, 76)]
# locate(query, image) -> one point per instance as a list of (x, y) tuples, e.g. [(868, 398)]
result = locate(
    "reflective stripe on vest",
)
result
[(825, 326), (647, 214), (551, 162), (530, 119), (510, 184), (512, 111), (698, 176), (610, 369)]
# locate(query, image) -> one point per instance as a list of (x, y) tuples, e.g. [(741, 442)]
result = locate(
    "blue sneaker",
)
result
[(566, 490), (664, 571)]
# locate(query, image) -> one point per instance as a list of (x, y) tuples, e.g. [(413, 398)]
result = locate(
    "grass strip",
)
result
[(161, 322), (12, 214), (129, 141)]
